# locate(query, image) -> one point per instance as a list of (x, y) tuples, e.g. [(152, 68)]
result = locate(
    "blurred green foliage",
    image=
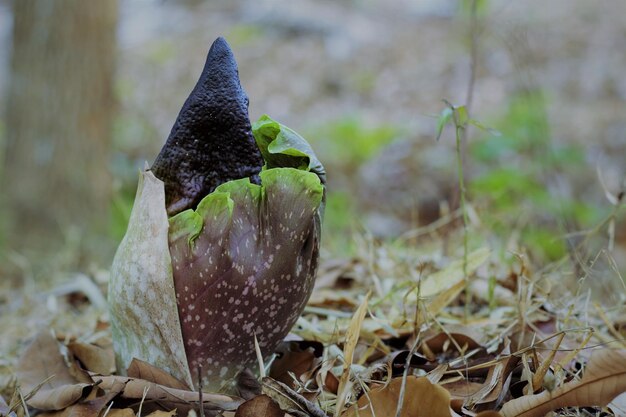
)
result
[(482, 7), (344, 145), (512, 169), (162, 52), (513, 181), (347, 142), (243, 34)]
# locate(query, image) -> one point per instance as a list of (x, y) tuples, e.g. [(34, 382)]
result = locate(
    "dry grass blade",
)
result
[(352, 337), (405, 375), (545, 365), (571, 355), (259, 357), (290, 401)]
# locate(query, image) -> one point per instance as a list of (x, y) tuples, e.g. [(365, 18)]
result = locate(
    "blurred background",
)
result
[(90, 90)]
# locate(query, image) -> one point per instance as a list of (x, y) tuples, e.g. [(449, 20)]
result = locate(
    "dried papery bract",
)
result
[(142, 300)]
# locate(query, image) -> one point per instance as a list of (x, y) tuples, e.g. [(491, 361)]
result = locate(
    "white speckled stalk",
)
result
[(142, 300)]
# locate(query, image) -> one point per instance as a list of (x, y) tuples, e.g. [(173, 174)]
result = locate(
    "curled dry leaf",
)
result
[(464, 336), (297, 358), (161, 413), (143, 370), (248, 384), (603, 380), (425, 400), (260, 406), (121, 412), (93, 405), (398, 360), (94, 358), (289, 400), (169, 398), (46, 380), (487, 394)]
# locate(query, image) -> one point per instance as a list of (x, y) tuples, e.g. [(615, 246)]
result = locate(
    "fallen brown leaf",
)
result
[(91, 406), (603, 380), (168, 397), (425, 400), (397, 360), (331, 271), (161, 413), (82, 409), (296, 358), (142, 370), (121, 412), (248, 385), (455, 336), (94, 358), (488, 393), (261, 406), (42, 370)]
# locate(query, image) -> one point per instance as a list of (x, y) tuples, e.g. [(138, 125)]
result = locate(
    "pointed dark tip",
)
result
[(220, 68), (219, 50), (220, 43), (211, 141)]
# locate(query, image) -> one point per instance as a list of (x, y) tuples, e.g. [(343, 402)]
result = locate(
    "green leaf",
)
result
[(283, 147), (485, 128), (443, 120), (461, 115)]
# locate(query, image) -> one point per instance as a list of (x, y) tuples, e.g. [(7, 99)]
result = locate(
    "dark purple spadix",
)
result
[(211, 142)]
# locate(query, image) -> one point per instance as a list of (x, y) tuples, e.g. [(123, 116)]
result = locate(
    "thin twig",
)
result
[(458, 127), (405, 375), (469, 96), (143, 398), (200, 401)]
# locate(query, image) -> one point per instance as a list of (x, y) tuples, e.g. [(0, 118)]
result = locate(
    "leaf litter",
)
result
[(533, 344)]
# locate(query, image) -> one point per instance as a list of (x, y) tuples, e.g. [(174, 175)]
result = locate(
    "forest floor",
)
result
[(546, 254)]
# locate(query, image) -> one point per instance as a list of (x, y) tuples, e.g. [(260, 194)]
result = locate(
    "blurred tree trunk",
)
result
[(59, 116)]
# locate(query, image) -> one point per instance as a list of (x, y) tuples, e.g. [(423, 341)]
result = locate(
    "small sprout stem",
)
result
[(459, 126)]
